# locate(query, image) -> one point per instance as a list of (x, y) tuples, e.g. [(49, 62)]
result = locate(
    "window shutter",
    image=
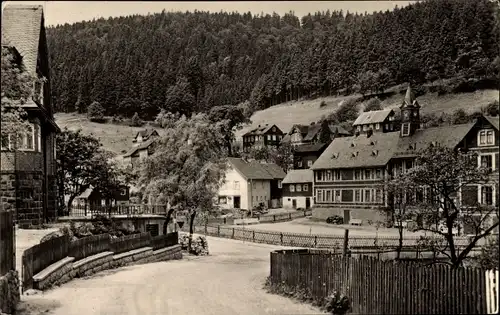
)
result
[(469, 195), (496, 162)]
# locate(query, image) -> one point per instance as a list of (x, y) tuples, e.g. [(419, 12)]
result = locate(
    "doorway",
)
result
[(294, 203), (308, 203), (237, 202), (347, 216)]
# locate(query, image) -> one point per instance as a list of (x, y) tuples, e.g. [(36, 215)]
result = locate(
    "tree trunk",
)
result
[(165, 225), (70, 202), (191, 229), (400, 244)]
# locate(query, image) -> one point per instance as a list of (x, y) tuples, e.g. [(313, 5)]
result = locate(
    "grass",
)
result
[(306, 111), (114, 137)]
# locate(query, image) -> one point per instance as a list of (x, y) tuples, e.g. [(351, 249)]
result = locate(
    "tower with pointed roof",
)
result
[(410, 114)]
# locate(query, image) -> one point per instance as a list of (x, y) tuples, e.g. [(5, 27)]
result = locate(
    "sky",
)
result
[(60, 12)]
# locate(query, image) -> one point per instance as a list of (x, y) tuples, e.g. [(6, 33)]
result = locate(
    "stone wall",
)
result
[(67, 269), (9, 292)]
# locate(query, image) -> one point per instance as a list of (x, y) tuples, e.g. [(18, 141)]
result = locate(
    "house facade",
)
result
[(305, 155), (262, 136), (92, 199), (139, 153), (350, 176), (298, 189), (248, 184), (376, 121), (28, 169)]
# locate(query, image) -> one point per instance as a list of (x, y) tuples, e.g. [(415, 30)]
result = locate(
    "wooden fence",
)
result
[(383, 287), (40, 256), (7, 242)]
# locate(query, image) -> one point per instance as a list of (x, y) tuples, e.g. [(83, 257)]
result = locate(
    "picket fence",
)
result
[(388, 287)]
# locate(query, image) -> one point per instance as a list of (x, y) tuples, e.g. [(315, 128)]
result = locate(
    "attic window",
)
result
[(355, 154), (352, 145), (433, 144), (412, 147), (373, 142), (375, 152), (335, 155)]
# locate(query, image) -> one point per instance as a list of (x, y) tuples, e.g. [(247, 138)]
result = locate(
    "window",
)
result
[(6, 142), (305, 187), (123, 192), (318, 176), (328, 196), (367, 195), (365, 127), (328, 176), (487, 161), (377, 126), (299, 163), (280, 185), (337, 175), (223, 200), (309, 163), (408, 165), (368, 174), (319, 195), (39, 140), (378, 174), (269, 137), (299, 188), (274, 137), (486, 137), (487, 195), (236, 185), (357, 195), (254, 185), (27, 141), (357, 175), (337, 195), (405, 130), (358, 128), (292, 188)]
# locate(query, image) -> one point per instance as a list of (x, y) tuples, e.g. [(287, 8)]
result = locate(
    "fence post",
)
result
[(315, 241), (253, 236), (290, 216), (346, 242), (218, 230), (85, 208), (225, 221), (232, 236), (274, 218), (281, 238)]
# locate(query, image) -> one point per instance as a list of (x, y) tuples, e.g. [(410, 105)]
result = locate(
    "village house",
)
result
[(298, 189), (28, 171), (145, 135), (307, 147), (349, 176), (93, 199), (377, 121), (248, 184), (144, 145), (262, 136)]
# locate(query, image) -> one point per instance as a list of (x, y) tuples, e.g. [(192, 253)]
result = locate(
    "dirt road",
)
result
[(227, 282)]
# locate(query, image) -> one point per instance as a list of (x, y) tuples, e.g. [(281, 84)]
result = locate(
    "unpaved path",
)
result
[(230, 281)]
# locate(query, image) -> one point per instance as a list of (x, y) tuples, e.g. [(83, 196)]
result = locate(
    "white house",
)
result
[(247, 184)]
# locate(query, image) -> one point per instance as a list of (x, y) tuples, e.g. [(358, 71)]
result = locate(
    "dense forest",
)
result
[(190, 62)]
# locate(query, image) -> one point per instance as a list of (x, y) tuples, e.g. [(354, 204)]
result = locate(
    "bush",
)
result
[(322, 104), (199, 245), (337, 303), (136, 121), (95, 112), (492, 109), (348, 110), (373, 104), (336, 219), (488, 259)]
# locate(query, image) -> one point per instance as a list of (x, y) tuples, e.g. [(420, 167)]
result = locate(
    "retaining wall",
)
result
[(67, 268)]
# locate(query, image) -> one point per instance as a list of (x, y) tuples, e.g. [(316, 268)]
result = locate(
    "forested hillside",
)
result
[(187, 62)]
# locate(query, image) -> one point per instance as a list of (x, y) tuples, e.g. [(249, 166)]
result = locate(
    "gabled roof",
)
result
[(146, 133), (373, 117), (310, 131), (310, 147), (142, 146), (298, 176), (342, 154), (493, 120), (260, 130), (273, 169), (21, 28), (256, 170), (446, 136)]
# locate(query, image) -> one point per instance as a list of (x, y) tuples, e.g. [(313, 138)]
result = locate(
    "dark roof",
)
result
[(298, 176), (275, 171), (373, 117), (261, 130), (378, 149), (256, 170), (146, 133), (141, 146), (409, 99), (341, 130), (21, 28), (310, 147), (493, 120), (310, 131)]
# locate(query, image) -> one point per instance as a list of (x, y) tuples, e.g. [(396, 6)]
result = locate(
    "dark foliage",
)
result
[(188, 62), (336, 219)]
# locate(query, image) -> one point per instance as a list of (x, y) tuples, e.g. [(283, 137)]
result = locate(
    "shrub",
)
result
[(199, 245), (322, 104), (136, 121), (373, 104), (336, 219), (492, 109), (348, 110), (95, 112), (337, 303), (488, 259)]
